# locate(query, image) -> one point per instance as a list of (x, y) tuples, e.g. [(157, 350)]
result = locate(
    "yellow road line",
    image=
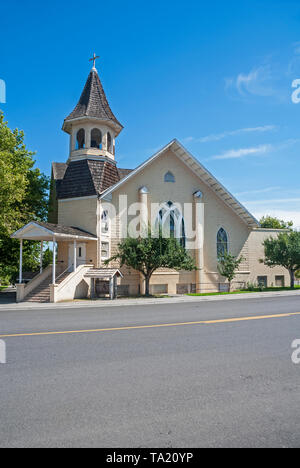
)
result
[(201, 322)]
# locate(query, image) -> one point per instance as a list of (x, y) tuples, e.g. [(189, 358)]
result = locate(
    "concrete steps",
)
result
[(42, 292)]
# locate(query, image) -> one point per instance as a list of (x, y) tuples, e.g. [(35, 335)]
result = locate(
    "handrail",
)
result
[(61, 274)]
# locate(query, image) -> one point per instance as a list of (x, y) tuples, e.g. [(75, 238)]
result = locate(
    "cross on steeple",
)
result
[(93, 59)]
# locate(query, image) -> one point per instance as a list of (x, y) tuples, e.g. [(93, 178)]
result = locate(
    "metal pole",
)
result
[(111, 288), (21, 262), (41, 258), (54, 262)]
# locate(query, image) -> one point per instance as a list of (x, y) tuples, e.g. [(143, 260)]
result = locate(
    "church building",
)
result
[(94, 204)]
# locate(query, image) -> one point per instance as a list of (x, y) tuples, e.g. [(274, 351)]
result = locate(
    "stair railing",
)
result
[(69, 269)]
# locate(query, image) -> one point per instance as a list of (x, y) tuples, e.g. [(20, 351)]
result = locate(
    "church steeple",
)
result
[(92, 125)]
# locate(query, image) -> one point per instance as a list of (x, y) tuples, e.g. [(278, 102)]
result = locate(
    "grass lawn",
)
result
[(243, 291)]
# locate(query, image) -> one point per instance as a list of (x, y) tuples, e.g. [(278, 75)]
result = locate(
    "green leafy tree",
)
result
[(23, 198), (283, 250), (148, 254), (270, 222), (228, 265)]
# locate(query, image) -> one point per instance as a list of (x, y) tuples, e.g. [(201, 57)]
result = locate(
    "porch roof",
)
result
[(103, 273), (36, 230)]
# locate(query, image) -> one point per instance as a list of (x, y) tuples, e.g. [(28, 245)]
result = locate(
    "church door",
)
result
[(80, 255)]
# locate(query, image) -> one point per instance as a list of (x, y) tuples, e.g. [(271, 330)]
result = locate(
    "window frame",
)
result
[(221, 243), (169, 177), (108, 249)]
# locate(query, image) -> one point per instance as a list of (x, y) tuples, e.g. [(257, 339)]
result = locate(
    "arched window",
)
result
[(109, 143), (105, 222), (170, 223), (169, 177), (80, 139), (222, 243), (96, 138)]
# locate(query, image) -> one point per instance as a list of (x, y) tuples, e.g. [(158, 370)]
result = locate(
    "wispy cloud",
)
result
[(273, 201), (221, 136), (255, 150), (258, 191), (258, 81), (242, 152)]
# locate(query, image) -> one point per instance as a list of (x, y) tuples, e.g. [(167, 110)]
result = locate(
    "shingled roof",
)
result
[(50, 230), (124, 172), (93, 103), (59, 170), (86, 178)]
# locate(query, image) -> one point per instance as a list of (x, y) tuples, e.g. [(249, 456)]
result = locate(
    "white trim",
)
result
[(76, 198), (260, 229), (105, 241), (208, 177), (21, 262), (31, 223)]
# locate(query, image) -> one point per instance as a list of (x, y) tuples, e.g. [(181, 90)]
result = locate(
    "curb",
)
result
[(156, 301)]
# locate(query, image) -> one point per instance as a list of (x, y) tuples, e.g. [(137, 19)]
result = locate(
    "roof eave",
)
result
[(67, 125), (246, 217)]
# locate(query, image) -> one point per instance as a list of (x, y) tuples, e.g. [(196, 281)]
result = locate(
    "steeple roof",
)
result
[(93, 103)]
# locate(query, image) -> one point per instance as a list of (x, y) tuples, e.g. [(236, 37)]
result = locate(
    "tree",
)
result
[(23, 198), (283, 250), (270, 222), (148, 254), (227, 266)]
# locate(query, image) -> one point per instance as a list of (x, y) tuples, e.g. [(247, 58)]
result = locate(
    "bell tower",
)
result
[(92, 125)]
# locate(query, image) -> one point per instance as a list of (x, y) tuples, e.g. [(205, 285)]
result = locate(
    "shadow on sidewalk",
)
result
[(8, 296)]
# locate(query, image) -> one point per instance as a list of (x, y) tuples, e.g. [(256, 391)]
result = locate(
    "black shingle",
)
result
[(86, 178), (93, 102)]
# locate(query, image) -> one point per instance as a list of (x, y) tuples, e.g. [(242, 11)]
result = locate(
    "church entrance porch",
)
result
[(55, 283)]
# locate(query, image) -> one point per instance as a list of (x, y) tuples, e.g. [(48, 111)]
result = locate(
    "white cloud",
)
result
[(259, 81), (286, 215), (221, 136), (255, 150), (273, 201), (258, 191), (242, 152)]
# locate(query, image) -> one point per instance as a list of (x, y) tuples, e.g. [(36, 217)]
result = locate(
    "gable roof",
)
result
[(93, 103), (187, 158), (46, 231)]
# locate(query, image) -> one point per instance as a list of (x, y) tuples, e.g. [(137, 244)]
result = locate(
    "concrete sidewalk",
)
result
[(144, 301)]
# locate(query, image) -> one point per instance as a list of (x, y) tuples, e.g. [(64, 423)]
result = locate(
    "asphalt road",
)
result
[(219, 384)]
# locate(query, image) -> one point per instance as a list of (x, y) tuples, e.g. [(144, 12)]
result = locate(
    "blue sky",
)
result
[(215, 75)]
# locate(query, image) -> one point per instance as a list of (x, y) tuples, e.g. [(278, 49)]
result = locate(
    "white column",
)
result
[(75, 254), (21, 262), (144, 223), (88, 133), (199, 251), (41, 258), (54, 262)]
